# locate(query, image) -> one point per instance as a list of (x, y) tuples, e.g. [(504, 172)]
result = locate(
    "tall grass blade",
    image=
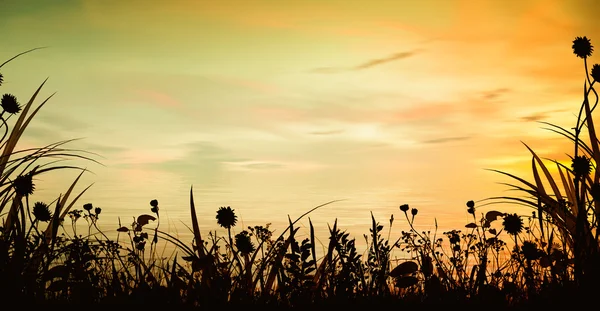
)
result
[(195, 226)]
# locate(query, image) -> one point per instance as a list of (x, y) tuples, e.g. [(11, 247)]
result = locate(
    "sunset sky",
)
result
[(274, 107)]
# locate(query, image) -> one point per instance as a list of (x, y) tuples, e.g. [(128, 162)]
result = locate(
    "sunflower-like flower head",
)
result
[(530, 250), (41, 211), (513, 224), (244, 243), (595, 72), (226, 217), (582, 47), (24, 184), (10, 104), (581, 166)]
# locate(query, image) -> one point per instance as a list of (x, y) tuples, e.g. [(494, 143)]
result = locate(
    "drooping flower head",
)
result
[(41, 211), (24, 184), (582, 47), (513, 224), (595, 72), (244, 243), (9, 104), (226, 217)]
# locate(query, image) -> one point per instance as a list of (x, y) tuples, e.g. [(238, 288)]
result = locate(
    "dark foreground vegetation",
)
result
[(548, 258)]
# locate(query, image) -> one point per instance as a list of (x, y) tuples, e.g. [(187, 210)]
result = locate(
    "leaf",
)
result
[(493, 215), (471, 225), (406, 281), (404, 268), (144, 219), (123, 229)]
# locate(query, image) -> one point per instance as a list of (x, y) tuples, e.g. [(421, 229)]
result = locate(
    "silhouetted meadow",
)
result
[(549, 258)]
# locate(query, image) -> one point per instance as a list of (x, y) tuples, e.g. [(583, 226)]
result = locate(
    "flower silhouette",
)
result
[(243, 243), (582, 47), (581, 166), (513, 224), (41, 211), (595, 72), (9, 104), (24, 184), (226, 217)]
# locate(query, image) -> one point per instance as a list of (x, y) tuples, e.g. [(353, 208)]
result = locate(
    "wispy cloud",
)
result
[(446, 139), (331, 132), (369, 63)]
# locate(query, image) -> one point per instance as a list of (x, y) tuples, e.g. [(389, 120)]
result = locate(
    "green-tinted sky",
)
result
[(273, 107)]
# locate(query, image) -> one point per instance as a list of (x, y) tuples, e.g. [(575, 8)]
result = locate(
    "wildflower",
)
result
[(9, 104), (154, 204), (581, 166), (454, 238), (97, 210), (41, 211), (88, 206), (404, 207), (226, 218), (595, 72), (24, 184), (471, 207), (243, 243), (513, 224), (530, 250), (582, 47), (414, 211)]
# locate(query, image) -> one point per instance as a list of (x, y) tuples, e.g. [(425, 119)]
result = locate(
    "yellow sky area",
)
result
[(274, 107)]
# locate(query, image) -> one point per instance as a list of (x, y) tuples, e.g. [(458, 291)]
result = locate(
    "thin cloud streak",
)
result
[(369, 63)]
